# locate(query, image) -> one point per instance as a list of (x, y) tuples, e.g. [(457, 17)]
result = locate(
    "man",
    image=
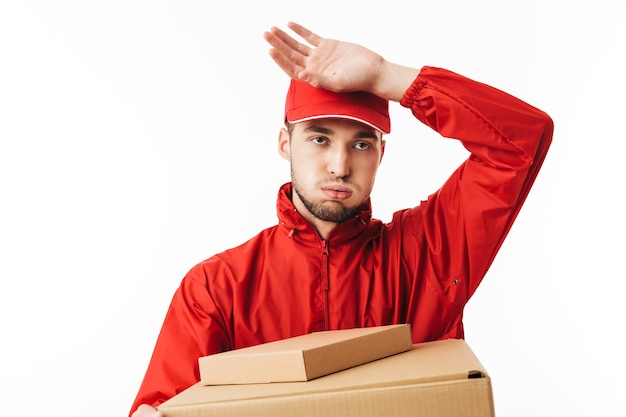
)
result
[(328, 264)]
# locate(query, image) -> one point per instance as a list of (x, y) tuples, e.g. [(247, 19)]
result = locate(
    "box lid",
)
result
[(306, 357)]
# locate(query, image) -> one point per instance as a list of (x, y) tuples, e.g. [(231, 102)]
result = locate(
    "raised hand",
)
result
[(327, 63), (336, 65)]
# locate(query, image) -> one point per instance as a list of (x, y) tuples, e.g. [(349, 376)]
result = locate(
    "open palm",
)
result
[(327, 63)]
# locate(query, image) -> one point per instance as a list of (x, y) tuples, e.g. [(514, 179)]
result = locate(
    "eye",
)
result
[(320, 140), (362, 146)]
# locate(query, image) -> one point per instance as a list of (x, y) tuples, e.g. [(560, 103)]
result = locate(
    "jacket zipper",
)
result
[(325, 284)]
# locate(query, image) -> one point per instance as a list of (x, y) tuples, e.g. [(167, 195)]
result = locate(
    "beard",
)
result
[(328, 211)]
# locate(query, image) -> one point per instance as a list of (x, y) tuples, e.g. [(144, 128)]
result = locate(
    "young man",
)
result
[(328, 264)]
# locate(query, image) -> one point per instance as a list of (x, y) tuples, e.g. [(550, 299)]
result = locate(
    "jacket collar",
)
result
[(298, 227)]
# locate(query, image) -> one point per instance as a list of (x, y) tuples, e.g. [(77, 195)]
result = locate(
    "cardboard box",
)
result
[(306, 357), (434, 379)]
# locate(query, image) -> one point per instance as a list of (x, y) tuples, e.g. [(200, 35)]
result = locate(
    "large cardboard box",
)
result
[(434, 379), (306, 357)]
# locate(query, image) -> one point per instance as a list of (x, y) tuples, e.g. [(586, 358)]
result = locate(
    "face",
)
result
[(333, 166)]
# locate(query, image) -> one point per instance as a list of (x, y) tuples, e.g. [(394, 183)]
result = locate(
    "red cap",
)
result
[(305, 102)]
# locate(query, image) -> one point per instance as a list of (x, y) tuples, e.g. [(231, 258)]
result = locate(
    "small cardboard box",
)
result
[(434, 379), (306, 357)]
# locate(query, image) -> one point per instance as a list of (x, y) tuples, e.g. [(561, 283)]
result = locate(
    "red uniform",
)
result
[(421, 268)]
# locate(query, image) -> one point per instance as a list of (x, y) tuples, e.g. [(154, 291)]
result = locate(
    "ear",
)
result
[(284, 148), (382, 150)]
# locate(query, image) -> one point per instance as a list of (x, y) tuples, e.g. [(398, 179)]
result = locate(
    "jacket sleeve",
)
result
[(462, 226), (193, 327)]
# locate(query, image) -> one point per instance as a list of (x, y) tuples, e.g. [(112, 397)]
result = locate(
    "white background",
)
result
[(138, 138)]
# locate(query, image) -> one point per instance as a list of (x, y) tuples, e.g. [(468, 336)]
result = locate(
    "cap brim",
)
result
[(341, 116)]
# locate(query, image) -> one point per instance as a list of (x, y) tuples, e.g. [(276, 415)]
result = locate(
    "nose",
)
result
[(339, 162)]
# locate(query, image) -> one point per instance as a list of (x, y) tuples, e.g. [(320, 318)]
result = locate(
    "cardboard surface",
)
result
[(304, 357), (435, 379)]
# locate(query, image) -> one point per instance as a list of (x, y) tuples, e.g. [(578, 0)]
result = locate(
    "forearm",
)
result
[(477, 114), (191, 329), (393, 80)]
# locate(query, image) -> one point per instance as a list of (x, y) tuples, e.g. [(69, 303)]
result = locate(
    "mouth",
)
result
[(337, 192)]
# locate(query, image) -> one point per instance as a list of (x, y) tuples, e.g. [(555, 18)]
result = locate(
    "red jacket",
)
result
[(421, 268)]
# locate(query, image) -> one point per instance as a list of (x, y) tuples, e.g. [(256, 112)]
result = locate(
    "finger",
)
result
[(290, 42), (145, 410), (286, 46), (285, 64), (305, 33)]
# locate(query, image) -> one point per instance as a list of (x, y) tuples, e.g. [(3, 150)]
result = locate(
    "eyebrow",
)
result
[(362, 134)]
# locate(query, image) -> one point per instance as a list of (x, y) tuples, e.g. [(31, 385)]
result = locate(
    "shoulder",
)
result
[(238, 254)]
